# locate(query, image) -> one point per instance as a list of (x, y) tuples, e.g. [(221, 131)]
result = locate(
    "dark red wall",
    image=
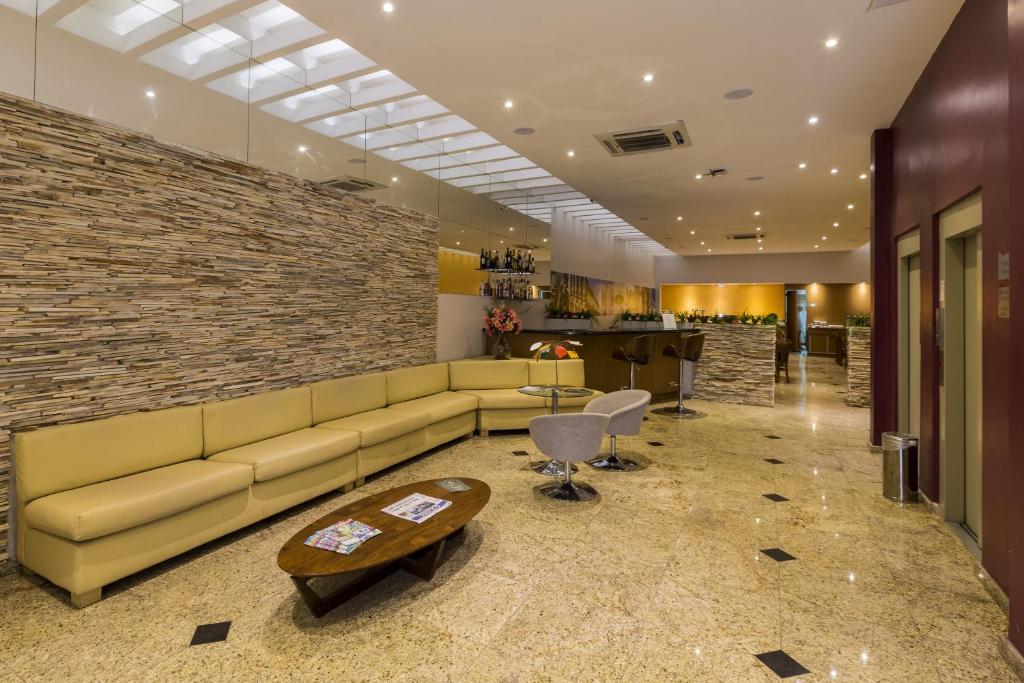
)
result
[(951, 138), (1015, 407)]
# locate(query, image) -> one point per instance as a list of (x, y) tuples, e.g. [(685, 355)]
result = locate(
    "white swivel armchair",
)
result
[(625, 411), (569, 437)]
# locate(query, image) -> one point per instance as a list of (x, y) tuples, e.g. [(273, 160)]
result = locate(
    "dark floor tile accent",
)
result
[(519, 453), (781, 664), (775, 497), (211, 633), (772, 437), (778, 554), (655, 443), (774, 461)]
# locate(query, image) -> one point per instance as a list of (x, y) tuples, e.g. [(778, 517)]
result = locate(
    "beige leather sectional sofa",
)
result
[(98, 501)]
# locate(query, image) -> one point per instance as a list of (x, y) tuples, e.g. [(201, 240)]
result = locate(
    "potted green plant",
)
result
[(563, 319)]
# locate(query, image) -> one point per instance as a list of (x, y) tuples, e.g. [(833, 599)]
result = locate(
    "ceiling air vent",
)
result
[(350, 184), (746, 236), (875, 4), (622, 143)]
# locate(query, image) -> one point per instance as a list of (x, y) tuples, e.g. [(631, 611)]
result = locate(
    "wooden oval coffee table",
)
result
[(402, 544)]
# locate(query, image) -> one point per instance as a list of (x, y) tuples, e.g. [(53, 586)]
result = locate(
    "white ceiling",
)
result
[(574, 68)]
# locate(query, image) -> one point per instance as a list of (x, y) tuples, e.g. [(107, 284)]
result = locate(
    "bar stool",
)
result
[(569, 437), (689, 352), (639, 351)]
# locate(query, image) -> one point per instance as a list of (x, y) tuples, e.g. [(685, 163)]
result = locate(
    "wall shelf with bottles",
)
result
[(512, 262), (509, 289)]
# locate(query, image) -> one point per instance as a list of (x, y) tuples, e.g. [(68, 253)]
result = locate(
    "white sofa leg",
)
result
[(87, 598)]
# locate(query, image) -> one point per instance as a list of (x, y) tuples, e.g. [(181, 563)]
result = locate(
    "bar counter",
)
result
[(604, 372), (737, 365)]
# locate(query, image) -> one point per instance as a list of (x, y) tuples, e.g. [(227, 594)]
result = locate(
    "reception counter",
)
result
[(737, 365)]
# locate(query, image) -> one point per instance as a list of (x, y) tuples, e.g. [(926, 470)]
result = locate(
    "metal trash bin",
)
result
[(899, 467)]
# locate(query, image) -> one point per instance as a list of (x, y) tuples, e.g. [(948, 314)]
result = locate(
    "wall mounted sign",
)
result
[(1004, 266), (1004, 302)]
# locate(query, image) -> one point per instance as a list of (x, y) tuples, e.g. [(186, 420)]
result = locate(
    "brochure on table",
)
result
[(417, 507)]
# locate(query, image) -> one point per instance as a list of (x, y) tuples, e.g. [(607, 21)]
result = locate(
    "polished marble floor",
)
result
[(664, 578)]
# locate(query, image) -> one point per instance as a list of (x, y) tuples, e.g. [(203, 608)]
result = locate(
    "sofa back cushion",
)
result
[(245, 420), (424, 380), (55, 459), (337, 398), (488, 374), (570, 372)]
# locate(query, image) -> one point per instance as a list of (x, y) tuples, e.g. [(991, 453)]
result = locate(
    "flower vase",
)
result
[(501, 350)]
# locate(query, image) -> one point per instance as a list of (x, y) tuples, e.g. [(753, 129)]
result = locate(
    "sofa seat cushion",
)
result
[(105, 508), (504, 399), (378, 426), (441, 406), (575, 401), (291, 452)]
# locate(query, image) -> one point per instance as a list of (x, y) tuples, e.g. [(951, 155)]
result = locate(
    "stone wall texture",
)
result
[(858, 367), (737, 365), (139, 275)]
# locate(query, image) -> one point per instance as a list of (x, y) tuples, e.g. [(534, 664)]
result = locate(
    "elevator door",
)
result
[(972, 384), (913, 328)]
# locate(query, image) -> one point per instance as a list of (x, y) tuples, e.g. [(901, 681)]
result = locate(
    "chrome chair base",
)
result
[(551, 468), (569, 490), (679, 411), (614, 463)]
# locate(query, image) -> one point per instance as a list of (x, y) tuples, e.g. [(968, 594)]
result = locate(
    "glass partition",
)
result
[(263, 85)]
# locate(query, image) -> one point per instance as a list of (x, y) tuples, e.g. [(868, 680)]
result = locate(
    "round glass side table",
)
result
[(553, 468)]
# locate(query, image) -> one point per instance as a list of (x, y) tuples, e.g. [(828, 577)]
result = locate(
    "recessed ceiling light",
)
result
[(824, 237), (760, 248), (458, 244), (679, 218), (834, 171), (150, 94), (511, 228), (509, 104), (394, 179), (693, 232), (759, 240), (849, 207), (570, 154), (303, 149), (757, 213), (863, 176), (545, 239), (698, 176), (503, 242), (648, 78), (702, 244), (813, 120), (709, 251), (388, 7), (524, 131), (758, 228), (831, 43), (816, 246), (802, 165), (836, 224), (738, 94)]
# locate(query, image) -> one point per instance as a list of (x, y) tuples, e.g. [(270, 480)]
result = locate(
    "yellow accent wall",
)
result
[(457, 273), (758, 299)]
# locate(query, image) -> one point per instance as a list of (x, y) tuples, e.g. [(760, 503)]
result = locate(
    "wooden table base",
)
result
[(422, 565)]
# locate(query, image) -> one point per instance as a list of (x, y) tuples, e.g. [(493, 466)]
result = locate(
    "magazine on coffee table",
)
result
[(417, 507), (453, 485), (342, 537)]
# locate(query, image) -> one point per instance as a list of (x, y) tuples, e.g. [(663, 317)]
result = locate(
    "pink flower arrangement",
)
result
[(501, 320)]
